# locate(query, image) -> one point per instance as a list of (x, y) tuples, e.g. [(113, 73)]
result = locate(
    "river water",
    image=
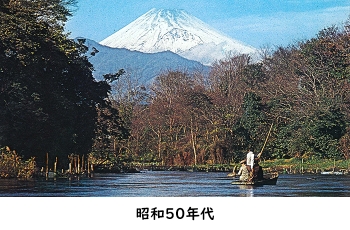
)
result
[(176, 184)]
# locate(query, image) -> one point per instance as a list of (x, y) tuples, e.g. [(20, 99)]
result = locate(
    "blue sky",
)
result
[(254, 22)]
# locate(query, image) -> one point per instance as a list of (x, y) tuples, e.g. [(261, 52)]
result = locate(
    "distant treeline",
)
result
[(51, 103)]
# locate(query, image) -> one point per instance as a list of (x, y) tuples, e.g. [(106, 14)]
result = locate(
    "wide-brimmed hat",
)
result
[(242, 161)]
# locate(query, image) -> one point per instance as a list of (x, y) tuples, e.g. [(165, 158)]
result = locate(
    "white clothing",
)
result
[(250, 159)]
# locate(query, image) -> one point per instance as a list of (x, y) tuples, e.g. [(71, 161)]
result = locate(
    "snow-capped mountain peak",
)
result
[(177, 31)]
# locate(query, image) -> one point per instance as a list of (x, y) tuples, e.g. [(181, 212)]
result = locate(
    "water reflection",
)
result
[(176, 184), (247, 189)]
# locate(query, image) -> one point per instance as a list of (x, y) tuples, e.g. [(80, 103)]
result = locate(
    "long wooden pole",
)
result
[(267, 137)]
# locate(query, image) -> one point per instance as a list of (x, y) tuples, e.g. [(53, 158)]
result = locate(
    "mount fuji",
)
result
[(161, 30)]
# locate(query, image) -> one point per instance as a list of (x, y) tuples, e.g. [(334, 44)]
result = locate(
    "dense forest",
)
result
[(51, 105), (301, 91), (49, 100)]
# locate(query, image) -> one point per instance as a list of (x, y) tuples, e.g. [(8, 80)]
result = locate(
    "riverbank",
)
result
[(12, 166), (286, 166), (306, 165)]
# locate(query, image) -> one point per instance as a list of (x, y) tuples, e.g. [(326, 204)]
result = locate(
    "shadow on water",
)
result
[(176, 184)]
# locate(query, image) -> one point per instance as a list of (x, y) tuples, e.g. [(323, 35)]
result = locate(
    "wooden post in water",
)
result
[(55, 166), (47, 165), (82, 163), (78, 166), (302, 165), (74, 164), (88, 166), (70, 163)]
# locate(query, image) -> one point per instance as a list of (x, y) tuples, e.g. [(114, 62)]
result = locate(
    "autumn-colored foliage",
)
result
[(13, 166), (198, 118)]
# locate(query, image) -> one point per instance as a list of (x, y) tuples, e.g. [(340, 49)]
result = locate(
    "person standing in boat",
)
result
[(243, 171), (250, 161)]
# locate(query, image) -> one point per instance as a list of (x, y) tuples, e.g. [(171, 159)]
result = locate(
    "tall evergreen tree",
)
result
[(250, 125)]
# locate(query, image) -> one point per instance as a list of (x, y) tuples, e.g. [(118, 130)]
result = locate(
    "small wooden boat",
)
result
[(267, 180)]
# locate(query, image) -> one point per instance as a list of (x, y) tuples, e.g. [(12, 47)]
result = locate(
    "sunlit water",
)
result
[(176, 184)]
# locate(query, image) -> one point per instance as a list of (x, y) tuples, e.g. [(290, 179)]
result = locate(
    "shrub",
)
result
[(13, 166)]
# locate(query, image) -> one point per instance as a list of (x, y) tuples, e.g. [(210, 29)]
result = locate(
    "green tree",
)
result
[(249, 128), (48, 95)]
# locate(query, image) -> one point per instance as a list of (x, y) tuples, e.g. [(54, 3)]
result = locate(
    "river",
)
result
[(176, 184)]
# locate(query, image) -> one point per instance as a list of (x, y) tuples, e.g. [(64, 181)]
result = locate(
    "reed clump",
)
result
[(13, 166)]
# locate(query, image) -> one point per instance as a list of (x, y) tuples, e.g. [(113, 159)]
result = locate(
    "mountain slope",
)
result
[(176, 31), (141, 65)]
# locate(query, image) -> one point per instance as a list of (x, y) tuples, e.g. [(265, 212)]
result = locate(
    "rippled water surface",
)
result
[(176, 184)]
